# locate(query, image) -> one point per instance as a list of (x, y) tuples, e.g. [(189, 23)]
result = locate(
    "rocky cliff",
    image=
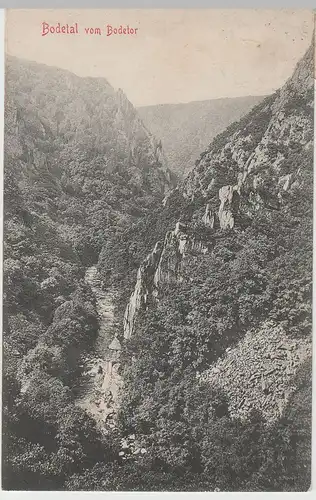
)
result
[(257, 172), (162, 265)]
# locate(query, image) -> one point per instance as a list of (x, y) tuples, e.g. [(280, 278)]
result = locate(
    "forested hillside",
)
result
[(219, 323), (212, 283), (79, 167), (187, 129)]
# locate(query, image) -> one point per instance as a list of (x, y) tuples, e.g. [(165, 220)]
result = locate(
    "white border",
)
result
[(51, 495)]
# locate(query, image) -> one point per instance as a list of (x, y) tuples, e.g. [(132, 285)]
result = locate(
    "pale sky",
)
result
[(176, 55)]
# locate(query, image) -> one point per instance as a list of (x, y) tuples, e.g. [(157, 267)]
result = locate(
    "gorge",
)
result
[(156, 336)]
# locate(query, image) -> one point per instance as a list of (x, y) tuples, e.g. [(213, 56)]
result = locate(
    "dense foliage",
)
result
[(261, 269), (74, 177), (249, 276)]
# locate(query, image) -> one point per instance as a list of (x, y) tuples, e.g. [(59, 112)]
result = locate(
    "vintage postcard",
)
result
[(157, 271)]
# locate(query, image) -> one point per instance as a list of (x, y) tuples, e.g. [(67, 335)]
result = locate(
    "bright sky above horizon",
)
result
[(176, 55)]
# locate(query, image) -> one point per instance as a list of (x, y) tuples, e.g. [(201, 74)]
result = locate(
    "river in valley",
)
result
[(99, 383)]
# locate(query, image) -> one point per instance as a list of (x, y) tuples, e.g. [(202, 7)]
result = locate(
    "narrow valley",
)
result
[(100, 382)]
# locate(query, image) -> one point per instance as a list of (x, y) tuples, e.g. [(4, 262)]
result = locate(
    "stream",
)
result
[(99, 383)]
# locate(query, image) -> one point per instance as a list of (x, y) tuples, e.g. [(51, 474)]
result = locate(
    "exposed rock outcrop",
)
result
[(229, 198), (162, 265), (258, 153), (138, 142), (209, 217), (144, 289)]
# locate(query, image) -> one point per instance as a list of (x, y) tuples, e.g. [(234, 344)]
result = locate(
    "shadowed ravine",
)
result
[(99, 384)]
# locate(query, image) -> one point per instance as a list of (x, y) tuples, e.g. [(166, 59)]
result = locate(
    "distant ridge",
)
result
[(186, 129)]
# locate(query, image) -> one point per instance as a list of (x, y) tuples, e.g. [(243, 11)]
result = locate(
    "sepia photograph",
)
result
[(158, 250)]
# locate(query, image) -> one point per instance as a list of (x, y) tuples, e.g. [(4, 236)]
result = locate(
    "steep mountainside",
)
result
[(187, 129), (79, 167), (219, 323), (80, 142)]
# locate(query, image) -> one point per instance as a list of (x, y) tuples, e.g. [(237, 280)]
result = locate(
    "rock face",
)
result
[(144, 289), (229, 198), (161, 266), (209, 217), (136, 140), (256, 156)]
